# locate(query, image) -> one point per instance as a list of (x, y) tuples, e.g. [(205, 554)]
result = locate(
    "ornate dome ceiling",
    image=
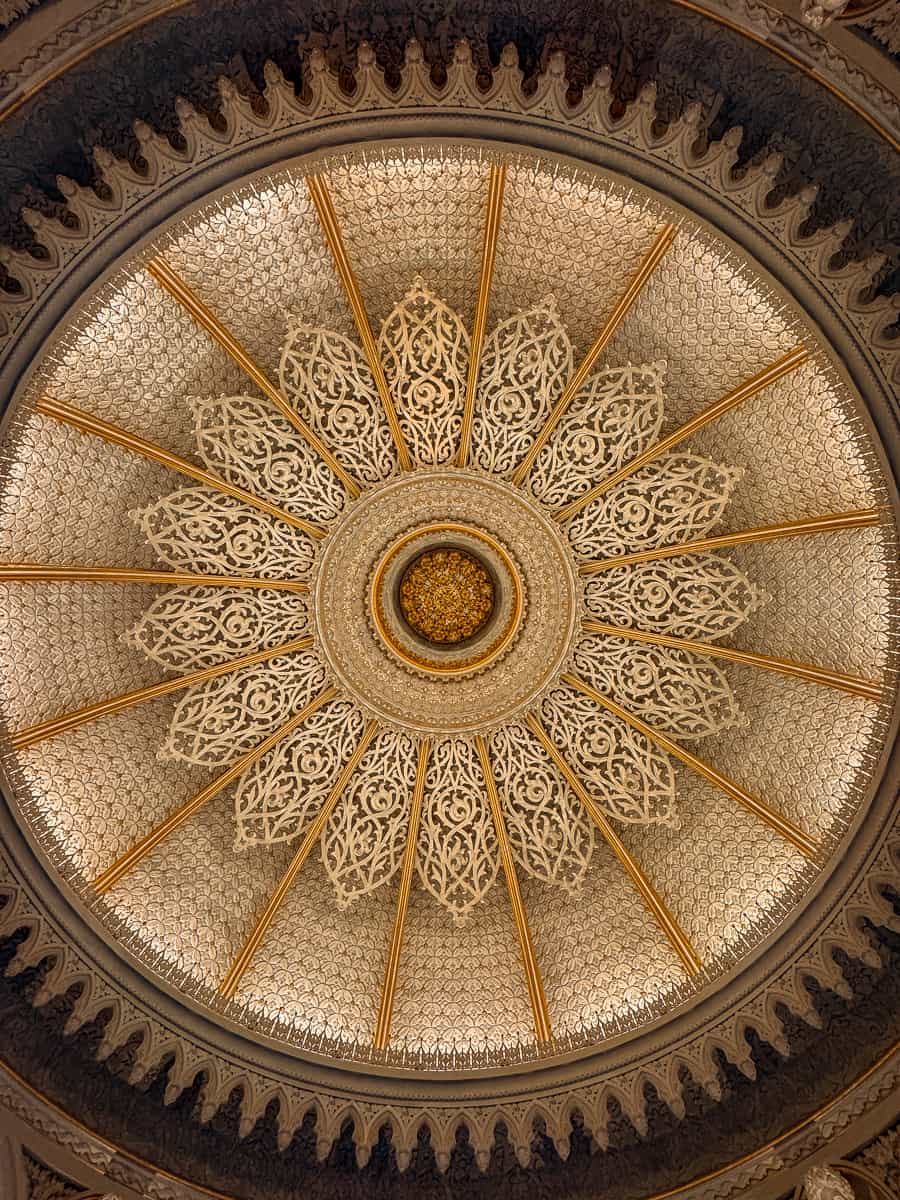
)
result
[(448, 568), (606, 785)]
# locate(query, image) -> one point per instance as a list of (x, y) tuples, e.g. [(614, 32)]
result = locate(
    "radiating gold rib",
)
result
[(488, 254), (529, 958), (782, 825), (132, 857), (87, 423), (858, 519), (332, 231), (673, 931), (42, 573), (783, 666), (651, 261), (750, 387), (167, 278), (312, 835), (104, 708), (386, 1007)]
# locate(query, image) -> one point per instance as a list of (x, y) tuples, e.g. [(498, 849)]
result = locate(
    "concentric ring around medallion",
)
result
[(520, 651)]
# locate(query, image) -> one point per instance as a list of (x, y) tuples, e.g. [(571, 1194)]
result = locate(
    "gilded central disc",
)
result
[(447, 596)]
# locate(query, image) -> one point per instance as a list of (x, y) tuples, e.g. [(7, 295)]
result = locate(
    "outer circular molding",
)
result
[(246, 140)]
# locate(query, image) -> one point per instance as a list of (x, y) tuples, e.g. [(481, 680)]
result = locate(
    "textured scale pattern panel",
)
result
[(830, 599), (712, 323), (407, 216), (320, 969), (601, 233), (258, 256), (133, 357), (94, 487), (796, 748), (724, 874), (88, 791), (68, 650), (461, 985), (192, 902), (590, 980), (821, 465)]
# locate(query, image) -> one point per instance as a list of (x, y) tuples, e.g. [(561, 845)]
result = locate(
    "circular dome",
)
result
[(521, 600)]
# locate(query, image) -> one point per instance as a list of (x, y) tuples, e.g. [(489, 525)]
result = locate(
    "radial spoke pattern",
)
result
[(38, 573)]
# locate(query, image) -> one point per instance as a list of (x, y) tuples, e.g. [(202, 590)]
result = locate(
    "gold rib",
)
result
[(784, 666), (132, 857), (860, 518), (167, 278), (529, 958), (312, 835), (332, 231), (386, 1008), (763, 379), (670, 927), (782, 825), (104, 708), (488, 254), (87, 423), (651, 261), (42, 573)]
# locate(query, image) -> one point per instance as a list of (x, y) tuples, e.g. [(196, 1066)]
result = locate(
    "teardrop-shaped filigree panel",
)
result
[(681, 694), (457, 857), (549, 833), (281, 792), (425, 353), (625, 774), (327, 380), (363, 842)]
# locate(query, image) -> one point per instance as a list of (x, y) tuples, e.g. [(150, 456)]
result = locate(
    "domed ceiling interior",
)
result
[(446, 606)]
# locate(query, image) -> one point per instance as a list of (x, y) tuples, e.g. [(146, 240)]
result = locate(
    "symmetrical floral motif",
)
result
[(616, 416)]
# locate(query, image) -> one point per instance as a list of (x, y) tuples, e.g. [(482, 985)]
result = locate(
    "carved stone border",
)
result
[(678, 159)]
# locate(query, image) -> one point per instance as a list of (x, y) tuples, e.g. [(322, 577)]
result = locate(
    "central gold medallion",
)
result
[(446, 596)]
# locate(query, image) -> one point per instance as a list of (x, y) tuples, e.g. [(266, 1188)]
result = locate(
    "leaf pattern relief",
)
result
[(326, 378), (457, 854), (616, 416), (525, 364), (424, 350), (249, 443), (625, 774), (364, 840), (283, 790), (549, 833), (189, 628), (215, 722), (677, 498), (700, 596), (200, 529), (681, 694)]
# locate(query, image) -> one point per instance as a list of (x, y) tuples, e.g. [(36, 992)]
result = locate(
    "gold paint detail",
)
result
[(389, 989), (321, 198), (535, 984), (40, 573), (781, 824), (104, 708), (312, 835), (670, 927), (484, 654), (496, 186), (132, 857), (168, 279), (853, 684), (446, 595), (763, 379), (861, 518), (650, 262), (87, 423)]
